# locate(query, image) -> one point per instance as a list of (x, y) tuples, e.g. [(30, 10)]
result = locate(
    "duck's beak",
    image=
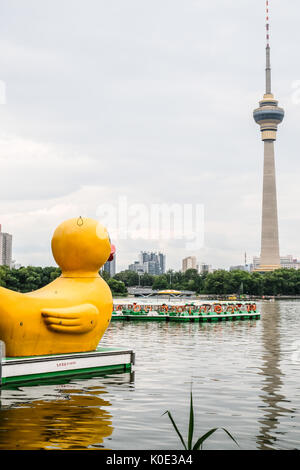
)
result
[(113, 250)]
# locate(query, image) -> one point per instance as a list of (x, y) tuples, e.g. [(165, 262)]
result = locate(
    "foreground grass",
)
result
[(199, 443)]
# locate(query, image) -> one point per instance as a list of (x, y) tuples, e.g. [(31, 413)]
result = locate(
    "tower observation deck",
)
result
[(268, 116)]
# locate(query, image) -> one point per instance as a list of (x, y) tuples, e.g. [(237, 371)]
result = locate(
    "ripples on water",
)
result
[(244, 376)]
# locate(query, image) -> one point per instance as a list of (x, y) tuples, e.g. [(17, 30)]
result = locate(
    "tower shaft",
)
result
[(269, 258)]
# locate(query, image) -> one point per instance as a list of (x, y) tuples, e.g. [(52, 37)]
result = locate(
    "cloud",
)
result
[(148, 100)]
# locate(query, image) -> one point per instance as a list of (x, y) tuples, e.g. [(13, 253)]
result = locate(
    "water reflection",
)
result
[(243, 380), (66, 416), (272, 384)]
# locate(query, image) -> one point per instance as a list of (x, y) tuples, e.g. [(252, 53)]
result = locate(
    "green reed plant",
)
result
[(199, 443)]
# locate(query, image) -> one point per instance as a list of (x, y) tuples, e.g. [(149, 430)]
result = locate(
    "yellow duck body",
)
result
[(70, 314)]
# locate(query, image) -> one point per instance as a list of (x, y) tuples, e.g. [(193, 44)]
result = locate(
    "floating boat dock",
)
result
[(16, 370), (186, 318), (209, 312)]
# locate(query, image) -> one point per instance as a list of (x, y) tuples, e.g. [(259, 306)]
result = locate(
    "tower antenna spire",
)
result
[(267, 23), (268, 63)]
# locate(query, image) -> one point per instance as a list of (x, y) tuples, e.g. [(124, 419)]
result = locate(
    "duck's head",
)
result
[(80, 247)]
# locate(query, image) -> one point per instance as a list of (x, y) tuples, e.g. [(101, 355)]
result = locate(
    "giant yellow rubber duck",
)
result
[(71, 313)]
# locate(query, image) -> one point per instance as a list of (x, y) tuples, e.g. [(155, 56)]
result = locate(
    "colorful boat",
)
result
[(185, 312)]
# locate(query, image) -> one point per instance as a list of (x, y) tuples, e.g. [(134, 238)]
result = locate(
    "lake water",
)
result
[(244, 376)]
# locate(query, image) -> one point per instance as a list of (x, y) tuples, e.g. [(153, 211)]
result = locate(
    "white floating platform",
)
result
[(14, 370)]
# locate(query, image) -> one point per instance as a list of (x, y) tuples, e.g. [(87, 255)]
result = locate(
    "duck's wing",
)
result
[(76, 319)]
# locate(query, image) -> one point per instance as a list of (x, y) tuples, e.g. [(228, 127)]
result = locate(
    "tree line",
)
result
[(220, 282), (30, 278)]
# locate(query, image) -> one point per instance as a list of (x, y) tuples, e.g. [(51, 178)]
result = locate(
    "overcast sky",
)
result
[(151, 101)]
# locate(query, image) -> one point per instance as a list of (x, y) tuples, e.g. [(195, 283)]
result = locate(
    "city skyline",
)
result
[(190, 101)]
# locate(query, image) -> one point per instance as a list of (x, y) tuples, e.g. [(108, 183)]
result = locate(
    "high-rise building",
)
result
[(110, 266), (205, 268), (5, 248), (189, 263), (149, 262), (136, 267), (154, 263), (162, 262), (268, 116)]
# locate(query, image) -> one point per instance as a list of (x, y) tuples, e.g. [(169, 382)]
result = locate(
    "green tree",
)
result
[(130, 278), (160, 282), (105, 275), (3, 273), (147, 279), (117, 287)]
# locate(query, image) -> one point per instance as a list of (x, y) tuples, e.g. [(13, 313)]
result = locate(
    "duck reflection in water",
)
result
[(67, 417)]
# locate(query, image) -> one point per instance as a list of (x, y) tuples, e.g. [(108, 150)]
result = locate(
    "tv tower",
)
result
[(268, 116)]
